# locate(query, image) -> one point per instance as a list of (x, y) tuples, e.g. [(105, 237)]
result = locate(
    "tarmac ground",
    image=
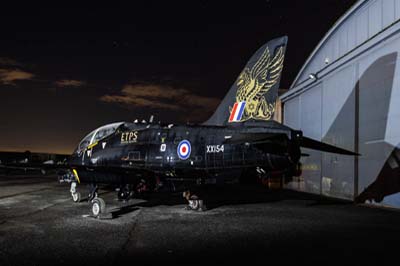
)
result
[(41, 225)]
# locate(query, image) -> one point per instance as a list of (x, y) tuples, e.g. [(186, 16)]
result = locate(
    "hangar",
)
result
[(348, 94)]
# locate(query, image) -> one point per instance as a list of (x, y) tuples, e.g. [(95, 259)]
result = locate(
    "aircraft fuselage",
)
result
[(135, 151)]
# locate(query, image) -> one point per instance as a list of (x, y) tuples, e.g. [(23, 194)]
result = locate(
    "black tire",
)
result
[(76, 197), (202, 206), (98, 207), (123, 195)]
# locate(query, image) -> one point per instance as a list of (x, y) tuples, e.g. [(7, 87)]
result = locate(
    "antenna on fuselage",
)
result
[(151, 119)]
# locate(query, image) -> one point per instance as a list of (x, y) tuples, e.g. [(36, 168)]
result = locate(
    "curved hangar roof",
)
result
[(361, 23)]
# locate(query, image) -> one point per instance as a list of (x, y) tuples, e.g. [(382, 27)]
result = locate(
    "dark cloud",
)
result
[(9, 76), (69, 83), (5, 61), (160, 97)]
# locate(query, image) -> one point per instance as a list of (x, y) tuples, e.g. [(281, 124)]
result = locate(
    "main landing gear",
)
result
[(124, 193), (194, 202), (98, 204)]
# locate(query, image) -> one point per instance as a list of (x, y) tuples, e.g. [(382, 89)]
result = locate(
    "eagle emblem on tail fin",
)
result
[(254, 84)]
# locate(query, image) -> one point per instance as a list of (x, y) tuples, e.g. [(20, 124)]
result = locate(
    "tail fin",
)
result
[(254, 93)]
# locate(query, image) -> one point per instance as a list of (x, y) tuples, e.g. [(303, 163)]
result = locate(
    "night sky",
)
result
[(65, 70)]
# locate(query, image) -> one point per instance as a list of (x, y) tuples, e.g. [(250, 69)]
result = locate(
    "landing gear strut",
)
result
[(92, 192)]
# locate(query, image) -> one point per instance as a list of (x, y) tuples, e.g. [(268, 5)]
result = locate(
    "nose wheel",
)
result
[(76, 196)]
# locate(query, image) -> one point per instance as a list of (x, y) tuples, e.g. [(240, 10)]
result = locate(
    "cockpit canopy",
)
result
[(97, 134)]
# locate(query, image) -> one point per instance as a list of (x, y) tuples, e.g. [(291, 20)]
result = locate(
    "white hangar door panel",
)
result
[(338, 128), (291, 118), (291, 113), (310, 124)]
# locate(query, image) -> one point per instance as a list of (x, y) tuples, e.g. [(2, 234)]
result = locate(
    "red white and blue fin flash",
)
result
[(237, 112), (184, 149)]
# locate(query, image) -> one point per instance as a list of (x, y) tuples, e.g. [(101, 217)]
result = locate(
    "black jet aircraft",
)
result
[(238, 138)]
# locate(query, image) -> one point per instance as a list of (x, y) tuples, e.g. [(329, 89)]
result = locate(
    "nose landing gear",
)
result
[(76, 196)]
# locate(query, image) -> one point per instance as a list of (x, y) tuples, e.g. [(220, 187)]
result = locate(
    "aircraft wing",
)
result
[(275, 140), (321, 146)]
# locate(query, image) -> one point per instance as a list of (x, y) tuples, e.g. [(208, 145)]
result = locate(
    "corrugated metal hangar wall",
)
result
[(348, 94)]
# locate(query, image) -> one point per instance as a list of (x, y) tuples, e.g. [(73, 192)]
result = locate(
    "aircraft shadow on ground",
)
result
[(124, 210), (215, 197)]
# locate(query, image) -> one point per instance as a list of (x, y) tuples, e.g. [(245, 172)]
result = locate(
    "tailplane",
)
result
[(255, 91)]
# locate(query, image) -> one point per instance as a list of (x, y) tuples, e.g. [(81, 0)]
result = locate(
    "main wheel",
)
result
[(195, 205), (98, 207), (76, 197), (123, 195)]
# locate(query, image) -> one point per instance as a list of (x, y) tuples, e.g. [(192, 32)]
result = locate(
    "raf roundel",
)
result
[(184, 149)]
